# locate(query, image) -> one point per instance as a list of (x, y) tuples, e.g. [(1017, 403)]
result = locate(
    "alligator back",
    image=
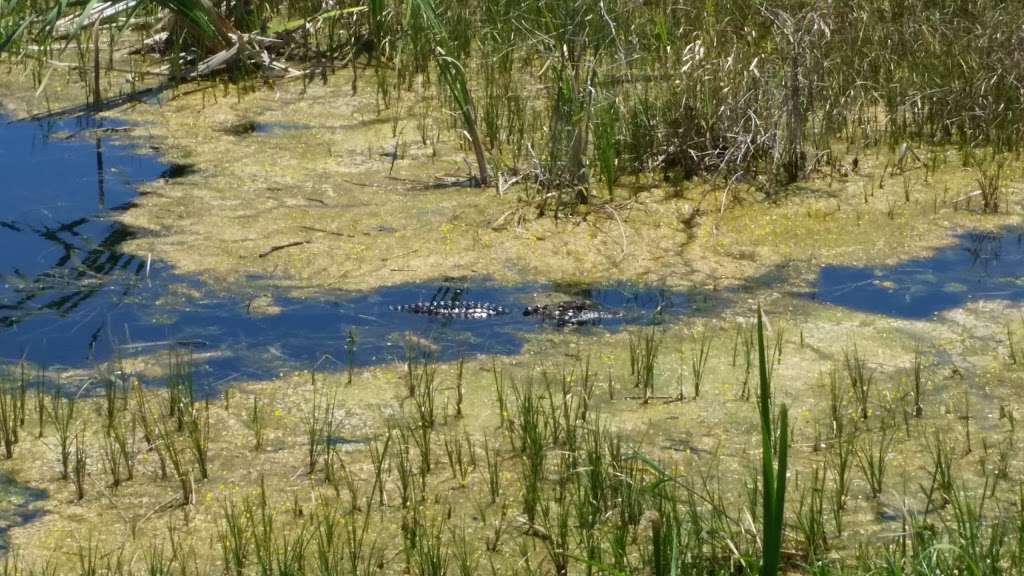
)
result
[(453, 309)]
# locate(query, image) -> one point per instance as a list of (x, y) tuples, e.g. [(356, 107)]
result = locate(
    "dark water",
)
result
[(235, 340), (69, 296), (61, 266), (979, 266), (16, 508)]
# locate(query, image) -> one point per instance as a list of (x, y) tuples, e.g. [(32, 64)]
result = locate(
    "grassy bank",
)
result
[(629, 453)]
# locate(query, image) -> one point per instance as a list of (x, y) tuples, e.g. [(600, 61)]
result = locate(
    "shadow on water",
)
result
[(70, 296), (238, 336), (981, 265), (16, 506)]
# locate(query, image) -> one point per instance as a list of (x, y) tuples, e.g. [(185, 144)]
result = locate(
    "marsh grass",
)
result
[(150, 428), (197, 429), (918, 382), (9, 413), (702, 342), (257, 422), (643, 356), (989, 174), (180, 386), (183, 473), (810, 516), (941, 483), (80, 467), (319, 422), (62, 416), (861, 379), (564, 484), (873, 452)]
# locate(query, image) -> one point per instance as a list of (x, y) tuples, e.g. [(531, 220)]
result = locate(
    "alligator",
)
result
[(453, 309), (571, 313), (565, 313)]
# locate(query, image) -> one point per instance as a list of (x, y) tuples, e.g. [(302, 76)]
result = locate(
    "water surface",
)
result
[(981, 265)]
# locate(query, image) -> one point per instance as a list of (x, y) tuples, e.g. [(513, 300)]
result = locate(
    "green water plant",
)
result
[(774, 461)]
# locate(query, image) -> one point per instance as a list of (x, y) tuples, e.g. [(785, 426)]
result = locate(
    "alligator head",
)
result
[(571, 312)]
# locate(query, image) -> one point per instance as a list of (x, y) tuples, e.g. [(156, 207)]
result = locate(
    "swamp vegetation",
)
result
[(834, 186)]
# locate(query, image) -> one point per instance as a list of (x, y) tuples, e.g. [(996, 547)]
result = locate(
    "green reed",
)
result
[(10, 398), (319, 422), (62, 415), (873, 452), (643, 355), (774, 460), (80, 466), (861, 379), (699, 358)]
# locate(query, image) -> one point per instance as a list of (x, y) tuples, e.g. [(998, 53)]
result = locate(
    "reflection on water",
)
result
[(980, 266), (61, 252)]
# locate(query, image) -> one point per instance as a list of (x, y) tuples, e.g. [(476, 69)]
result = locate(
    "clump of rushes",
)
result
[(150, 433), (942, 480), (460, 390), (197, 428), (529, 435), (350, 354), (861, 378), (493, 471), (62, 414), (838, 462), (699, 358), (499, 392), (81, 462), (424, 374), (180, 385), (40, 403), (453, 77), (9, 414), (182, 472), (774, 461), (873, 453), (1011, 344), (643, 355), (810, 516), (257, 423), (234, 539), (744, 344), (918, 380), (989, 176), (319, 423), (606, 143), (112, 457)]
